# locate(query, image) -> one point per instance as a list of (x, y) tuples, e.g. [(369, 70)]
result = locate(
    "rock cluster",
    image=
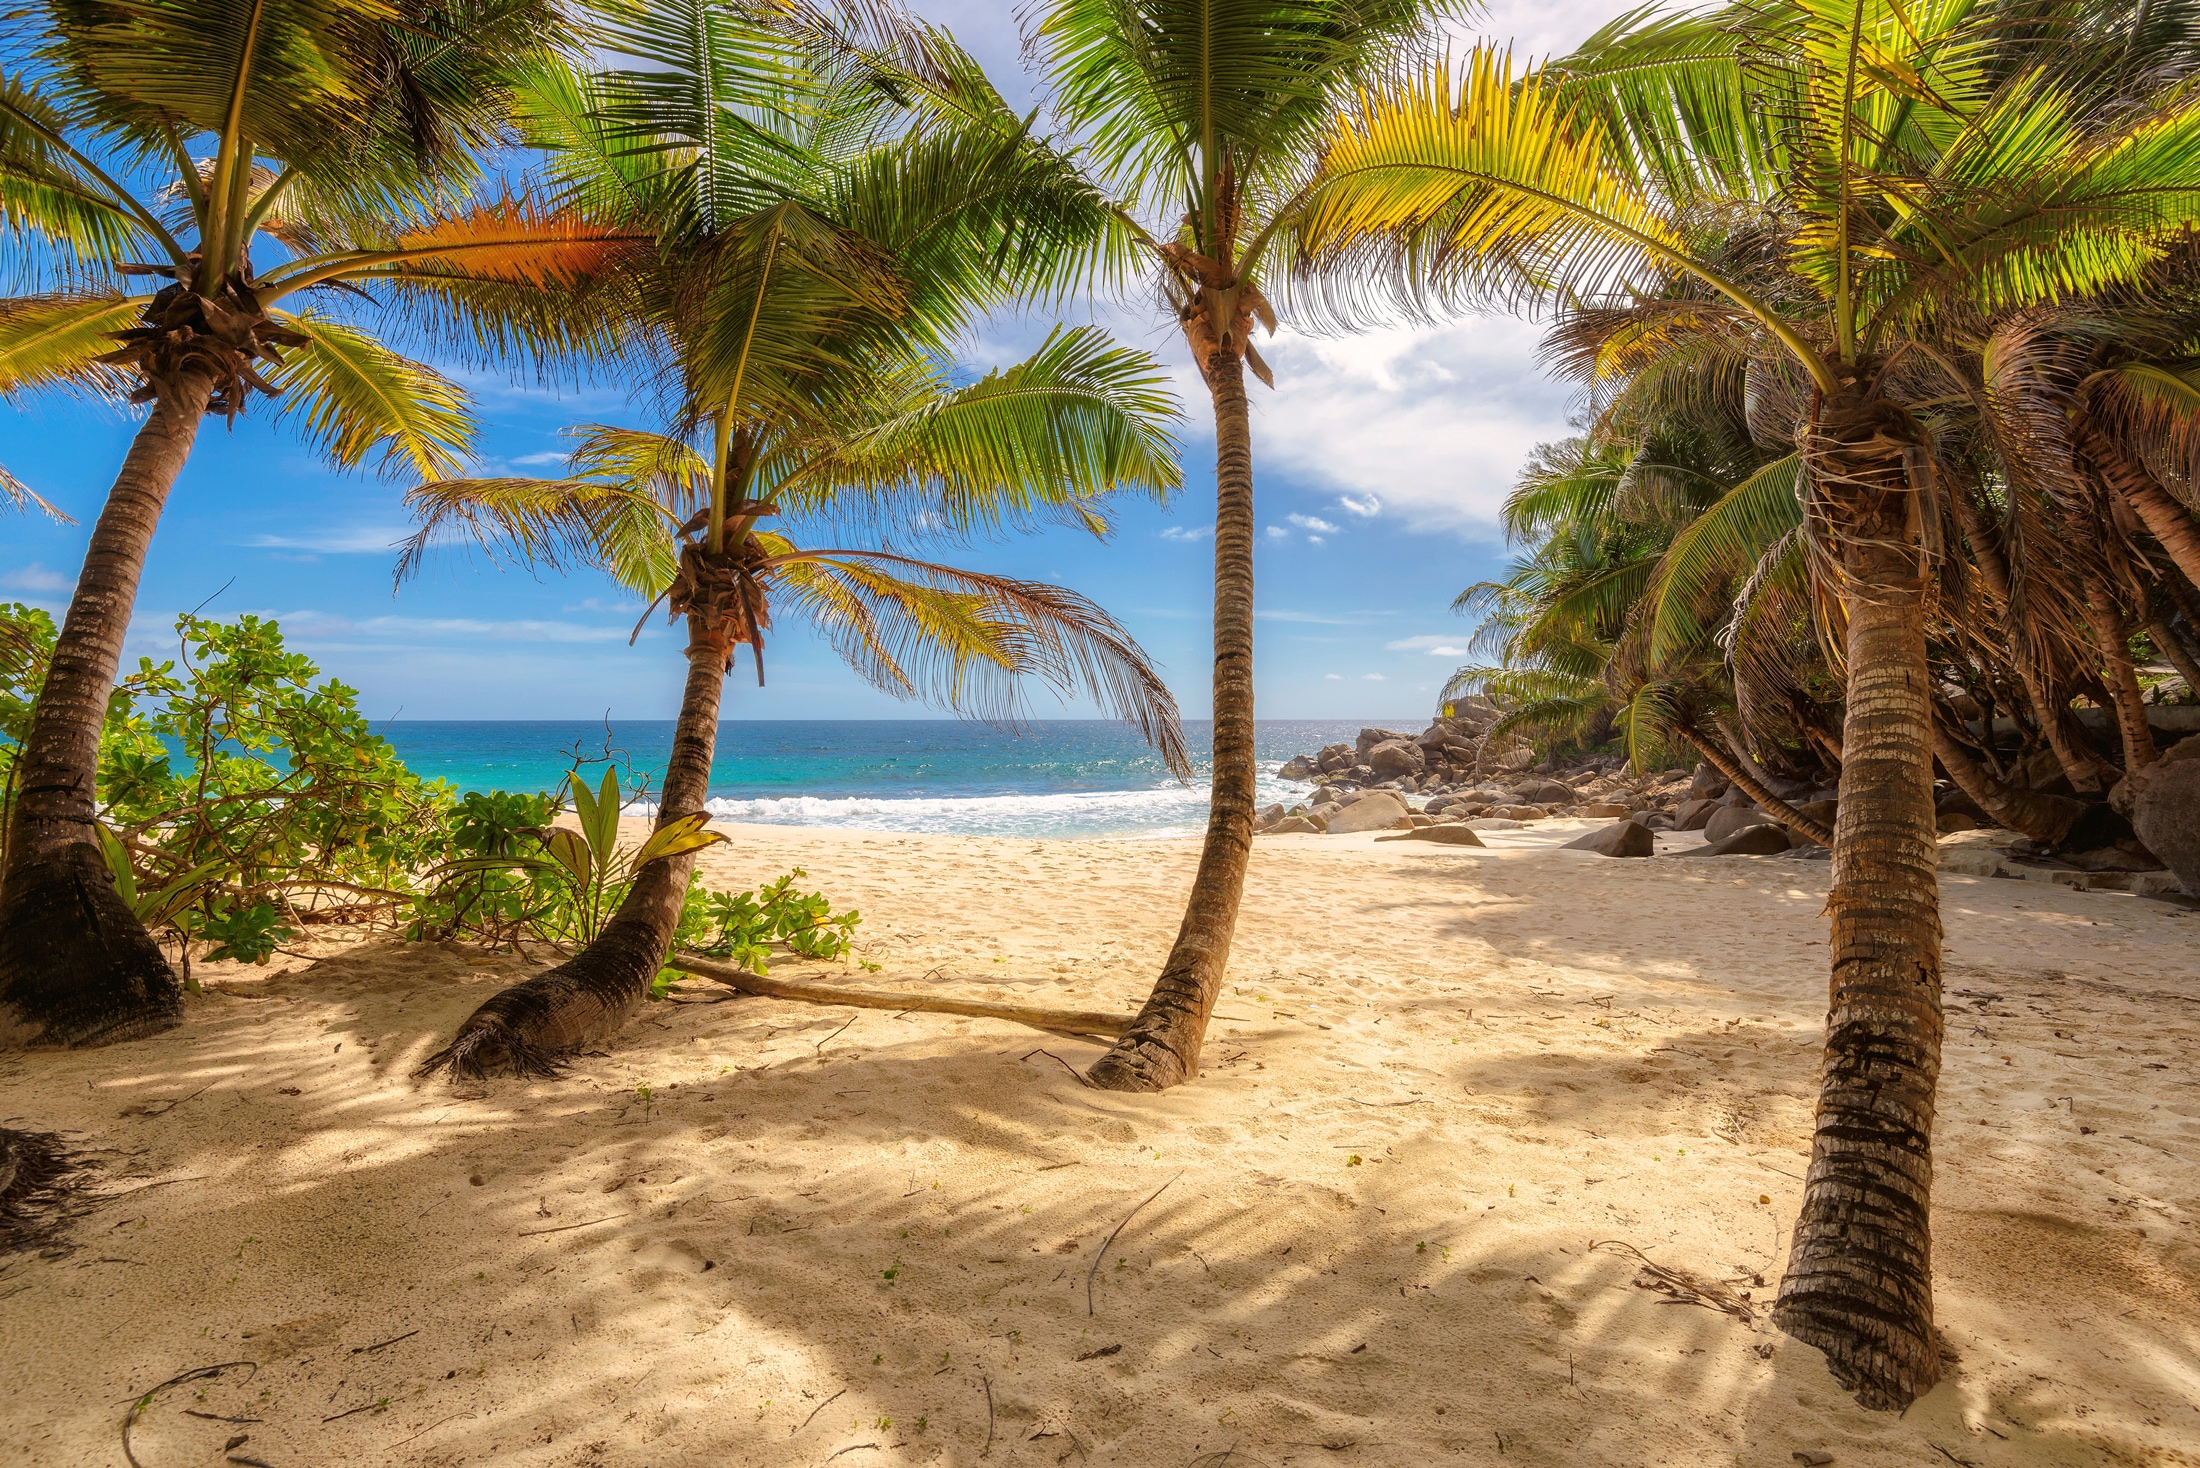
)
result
[(1457, 771)]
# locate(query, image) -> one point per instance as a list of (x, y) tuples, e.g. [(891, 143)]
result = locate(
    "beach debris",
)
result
[(1683, 1288), (1102, 1252), (196, 1373)]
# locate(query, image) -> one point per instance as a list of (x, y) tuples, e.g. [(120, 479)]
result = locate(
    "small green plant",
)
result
[(1353, 1160), (648, 1098)]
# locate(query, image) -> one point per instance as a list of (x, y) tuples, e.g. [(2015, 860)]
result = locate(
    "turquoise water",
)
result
[(1054, 778)]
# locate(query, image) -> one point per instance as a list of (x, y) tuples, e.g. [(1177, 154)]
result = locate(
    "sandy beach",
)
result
[(1454, 1101)]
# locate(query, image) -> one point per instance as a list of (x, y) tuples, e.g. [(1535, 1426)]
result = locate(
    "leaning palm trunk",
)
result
[(76, 965), (2167, 520), (2045, 818), (1859, 1277), (1746, 781), (529, 1028), (2122, 677), (1161, 1048), (2171, 646)]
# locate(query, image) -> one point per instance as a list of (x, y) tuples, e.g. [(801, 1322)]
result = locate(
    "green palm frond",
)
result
[(556, 524), (1077, 420), (1717, 548), (54, 341), (353, 395)]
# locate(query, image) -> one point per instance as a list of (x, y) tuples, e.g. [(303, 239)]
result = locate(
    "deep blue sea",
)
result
[(1053, 778)]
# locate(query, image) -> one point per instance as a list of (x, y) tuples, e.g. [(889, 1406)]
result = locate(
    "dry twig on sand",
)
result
[(196, 1373), (1683, 1288), (1110, 1239)]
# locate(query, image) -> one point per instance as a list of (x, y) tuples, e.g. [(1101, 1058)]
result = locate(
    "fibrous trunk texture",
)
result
[(2167, 520), (1725, 763), (1161, 1048), (76, 966), (2171, 646), (1859, 1276), (531, 1027), (2122, 677)]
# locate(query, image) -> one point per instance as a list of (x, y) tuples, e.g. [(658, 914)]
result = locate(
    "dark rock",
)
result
[(2165, 811), (1957, 820), (1728, 819), (1298, 767), (1605, 811), (1822, 811), (2098, 826), (1656, 820), (1625, 838), (1375, 810), (1335, 758), (1693, 813), (1736, 796), (1956, 803), (1547, 792), (1761, 840), (1442, 835), (2124, 856), (1706, 784)]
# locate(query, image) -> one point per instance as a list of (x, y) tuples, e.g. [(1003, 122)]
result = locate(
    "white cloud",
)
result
[(1430, 423), (35, 577), (548, 456), (1366, 506), (1315, 539), (1372, 677), (1277, 532), (1312, 522), (1443, 650), (1193, 532), (1416, 644), (1333, 677), (359, 540)]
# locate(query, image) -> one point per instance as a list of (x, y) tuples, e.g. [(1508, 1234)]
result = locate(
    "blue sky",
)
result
[(1379, 463)]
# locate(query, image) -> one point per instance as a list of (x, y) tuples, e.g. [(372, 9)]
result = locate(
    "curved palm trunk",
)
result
[(2171, 646), (76, 966), (1161, 1048), (2122, 678), (2167, 520), (1725, 763), (2053, 715), (2044, 818), (1859, 1276), (529, 1028)]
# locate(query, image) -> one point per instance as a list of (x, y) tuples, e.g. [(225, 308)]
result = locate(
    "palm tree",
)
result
[(1075, 422), (1200, 121), (811, 263), (1917, 180), (246, 152)]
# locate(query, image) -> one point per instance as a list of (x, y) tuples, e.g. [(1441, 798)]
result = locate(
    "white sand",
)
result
[(850, 1237)]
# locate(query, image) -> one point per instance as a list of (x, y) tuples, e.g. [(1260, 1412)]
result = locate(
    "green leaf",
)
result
[(676, 839), (355, 395)]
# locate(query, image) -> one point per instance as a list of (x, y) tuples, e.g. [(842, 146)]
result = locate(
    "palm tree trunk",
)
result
[(2171, 646), (1859, 1276), (2044, 818), (2167, 520), (76, 966), (2081, 770), (529, 1028), (1161, 1048), (1725, 763), (2122, 677)]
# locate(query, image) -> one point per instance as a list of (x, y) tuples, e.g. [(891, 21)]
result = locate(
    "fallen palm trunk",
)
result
[(1064, 1021)]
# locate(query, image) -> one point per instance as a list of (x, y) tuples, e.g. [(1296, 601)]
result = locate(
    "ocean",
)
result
[(1050, 778)]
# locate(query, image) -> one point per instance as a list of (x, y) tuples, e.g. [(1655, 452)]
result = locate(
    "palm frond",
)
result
[(352, 395), (965, 640)]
